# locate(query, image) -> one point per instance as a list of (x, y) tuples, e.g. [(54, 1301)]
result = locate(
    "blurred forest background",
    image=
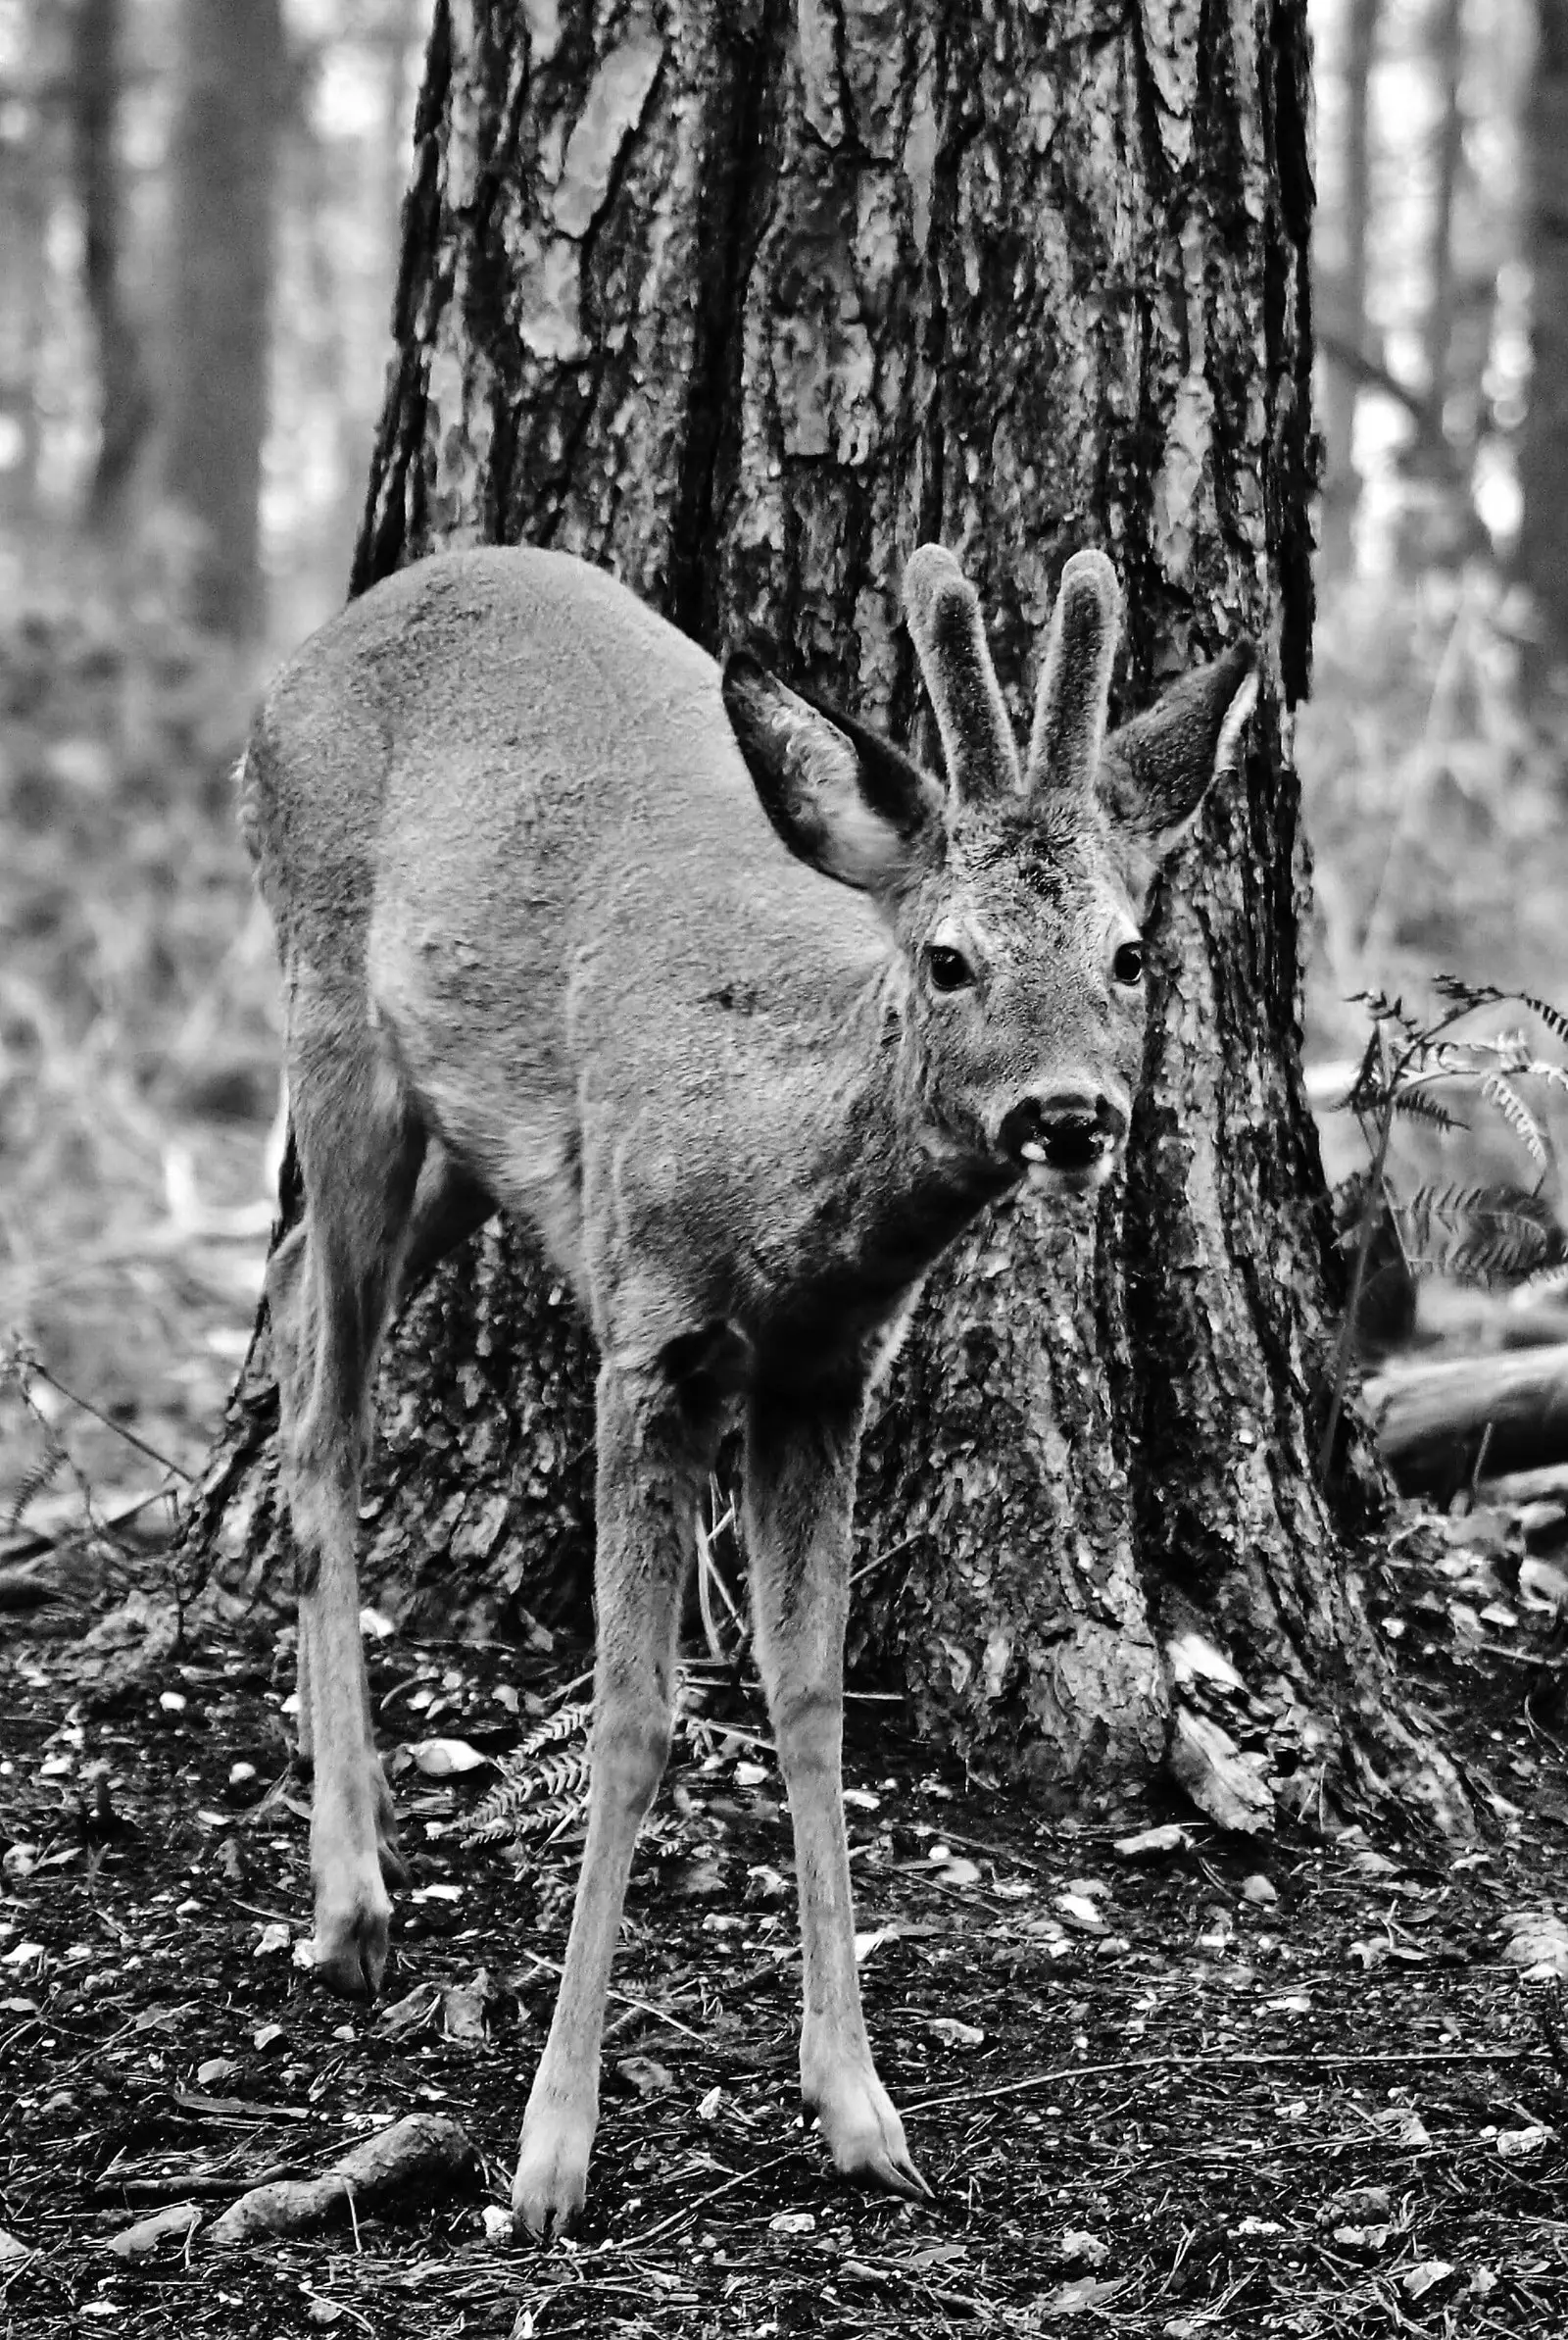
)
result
[(198, 245)]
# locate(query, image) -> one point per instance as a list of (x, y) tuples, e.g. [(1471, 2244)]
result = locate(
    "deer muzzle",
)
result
[(1070, 1137)]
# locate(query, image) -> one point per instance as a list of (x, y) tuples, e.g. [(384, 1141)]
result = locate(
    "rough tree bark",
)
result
[(744, 304), (225, 168)]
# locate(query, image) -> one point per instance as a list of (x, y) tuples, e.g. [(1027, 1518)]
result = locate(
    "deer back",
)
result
[(522, 832)]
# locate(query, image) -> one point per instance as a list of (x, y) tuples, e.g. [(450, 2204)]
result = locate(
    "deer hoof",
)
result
[(351, 1942), (865, 2136), (552, 2179)]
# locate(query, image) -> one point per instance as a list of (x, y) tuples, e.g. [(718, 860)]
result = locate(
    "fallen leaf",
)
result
[(414, 2007), (180, 2219), (463, 2007), (1524, 2143), (1401, 2127), (1147, 1842), (1080, 1911), (442, 1759), (1079, 2299), (646, 2076), (1537, 1941), (955, 2033), (1425, 2276)]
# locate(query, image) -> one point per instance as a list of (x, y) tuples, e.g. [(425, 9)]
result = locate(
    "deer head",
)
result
[(1014, 895)]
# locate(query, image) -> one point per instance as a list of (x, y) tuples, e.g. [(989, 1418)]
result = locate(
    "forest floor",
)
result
[(1292, 2085)]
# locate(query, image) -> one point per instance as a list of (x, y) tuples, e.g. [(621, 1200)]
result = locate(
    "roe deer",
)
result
[(545, 951)]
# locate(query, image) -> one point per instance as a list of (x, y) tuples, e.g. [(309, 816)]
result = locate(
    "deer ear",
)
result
[(844, 800), (1156, 771)]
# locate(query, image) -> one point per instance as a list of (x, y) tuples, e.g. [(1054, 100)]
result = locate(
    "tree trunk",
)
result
[(1448, 60), (1542, 555), (225, 168), (1342, 484), (744, 310), (124, 405)]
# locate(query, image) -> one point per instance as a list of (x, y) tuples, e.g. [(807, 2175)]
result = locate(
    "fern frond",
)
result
[(564, 1723), (536, 1820), (36, 1480), (1460, 993), (1553, 1017), (1499, 1091), (1419, 1107), (1383, 1011), (512, 1806), (1481, 1234)]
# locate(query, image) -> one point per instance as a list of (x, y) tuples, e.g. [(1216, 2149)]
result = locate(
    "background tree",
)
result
[(224, 170), (125, 399), (743, 308), (1343, 277), (1544, 451)]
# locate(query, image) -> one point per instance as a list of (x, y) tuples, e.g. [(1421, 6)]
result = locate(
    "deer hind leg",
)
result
[(328, 1287), (801, 1454), (656, 1444)]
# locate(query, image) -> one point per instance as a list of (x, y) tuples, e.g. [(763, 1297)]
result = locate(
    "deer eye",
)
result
[(1128, 965), (949, 968)]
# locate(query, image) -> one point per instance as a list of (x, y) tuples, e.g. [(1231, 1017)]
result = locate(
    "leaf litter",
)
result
[(1163, 2078)]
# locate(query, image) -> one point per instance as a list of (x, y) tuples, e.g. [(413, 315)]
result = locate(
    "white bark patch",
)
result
[(873, 70), (463, 113), (1044, 105), (1181, 498), (458, 430), (615, 100), (550, 268), (1221, 1781), (919, 165), (1171, 45), (543, 30), (819, 71), (548, 311)]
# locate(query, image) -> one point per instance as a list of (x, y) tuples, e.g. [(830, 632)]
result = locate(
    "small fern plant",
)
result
[(1486, 1233)]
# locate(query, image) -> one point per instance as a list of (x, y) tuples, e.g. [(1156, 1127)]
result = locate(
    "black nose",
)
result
[(1070, 1129)]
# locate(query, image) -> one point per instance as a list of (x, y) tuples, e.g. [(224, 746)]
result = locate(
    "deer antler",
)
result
[(943, 612), (1070, 706)]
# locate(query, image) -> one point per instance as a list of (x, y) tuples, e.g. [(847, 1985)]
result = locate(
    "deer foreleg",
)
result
[(799, 1485)]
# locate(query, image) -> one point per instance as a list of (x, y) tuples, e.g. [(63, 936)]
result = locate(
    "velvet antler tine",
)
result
[(943, 612), (1070, 705)]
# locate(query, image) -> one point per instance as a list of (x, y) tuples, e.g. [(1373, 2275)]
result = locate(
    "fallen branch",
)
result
[(1506, 1411), (425, 2149)]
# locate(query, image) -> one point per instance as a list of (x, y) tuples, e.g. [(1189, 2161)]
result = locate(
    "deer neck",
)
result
[(905, 1184)]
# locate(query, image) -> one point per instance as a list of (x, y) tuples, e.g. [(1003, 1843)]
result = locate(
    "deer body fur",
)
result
[(545, 950)]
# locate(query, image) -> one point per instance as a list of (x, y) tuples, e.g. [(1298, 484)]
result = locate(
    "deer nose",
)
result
[(1068, 1129)]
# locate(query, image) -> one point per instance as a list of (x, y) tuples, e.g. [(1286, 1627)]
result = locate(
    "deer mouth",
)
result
[(1078, 1176), (1075, 1151)]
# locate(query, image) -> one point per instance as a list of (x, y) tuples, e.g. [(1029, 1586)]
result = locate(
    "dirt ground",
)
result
[(1284, 2086)]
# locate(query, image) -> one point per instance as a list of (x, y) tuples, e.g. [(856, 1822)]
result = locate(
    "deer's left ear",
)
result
[(1156, 771)]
